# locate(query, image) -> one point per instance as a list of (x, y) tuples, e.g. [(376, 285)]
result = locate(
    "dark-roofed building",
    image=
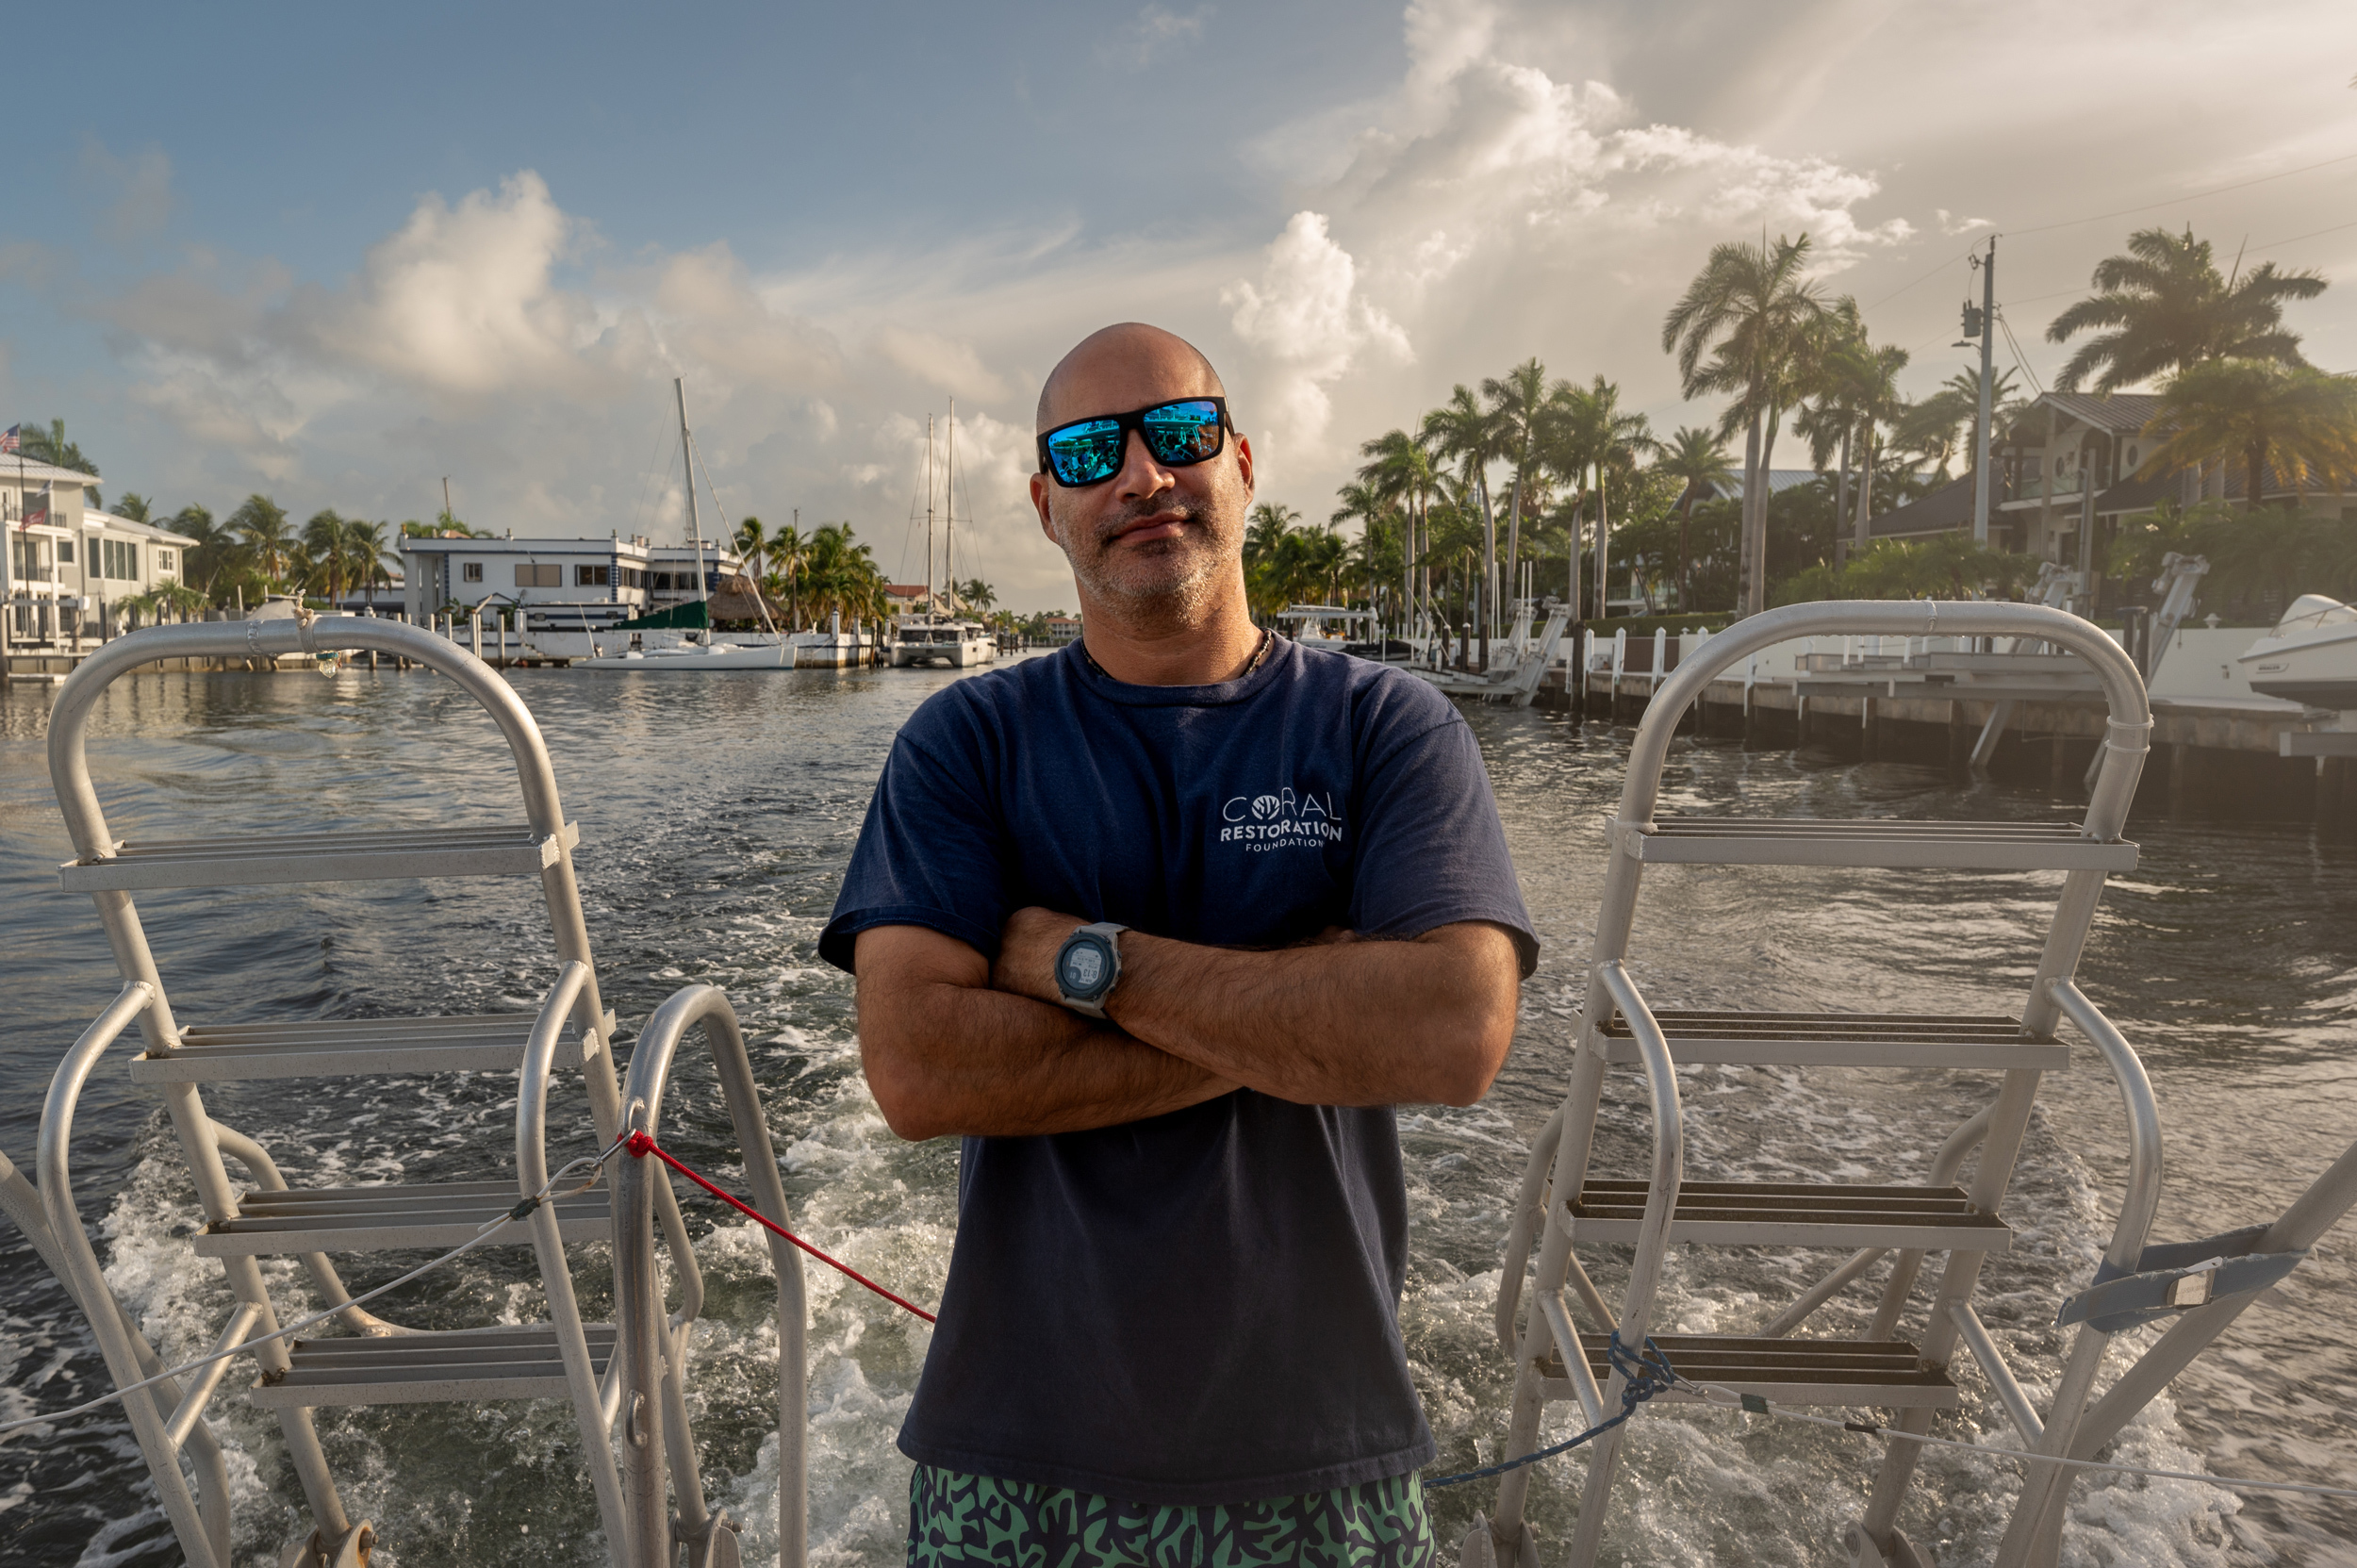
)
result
[(2054, 452)]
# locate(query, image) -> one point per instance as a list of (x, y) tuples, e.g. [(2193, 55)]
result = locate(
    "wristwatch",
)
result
[(1086, 966)]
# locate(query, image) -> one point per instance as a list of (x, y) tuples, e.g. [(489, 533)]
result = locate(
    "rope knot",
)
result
[(639, 1144), (1648, 1372)]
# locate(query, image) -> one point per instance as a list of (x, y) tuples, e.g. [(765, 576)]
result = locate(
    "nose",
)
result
[(1141, 477)]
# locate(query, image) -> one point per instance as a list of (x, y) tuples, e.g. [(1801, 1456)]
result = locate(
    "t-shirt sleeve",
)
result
[(1431, 851), (928, 853)]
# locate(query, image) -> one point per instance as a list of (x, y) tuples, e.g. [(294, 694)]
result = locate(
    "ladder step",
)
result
[(362, 856), (1886, 1373), (468, 1364), (374, 1219), (1794, 1214), (1805, 841), (1842, 1039), (217, 1053)]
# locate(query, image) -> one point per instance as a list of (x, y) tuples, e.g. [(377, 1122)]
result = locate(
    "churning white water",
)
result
[(716, 814)]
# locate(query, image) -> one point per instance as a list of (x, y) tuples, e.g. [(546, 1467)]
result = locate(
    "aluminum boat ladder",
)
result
[(624, 1400), (1560, 1351)]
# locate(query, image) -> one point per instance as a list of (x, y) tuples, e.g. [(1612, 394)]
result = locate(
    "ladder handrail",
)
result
[(2124, 688), (1653, 1237), (531, 1176), (647, 1356), (86, 1281)]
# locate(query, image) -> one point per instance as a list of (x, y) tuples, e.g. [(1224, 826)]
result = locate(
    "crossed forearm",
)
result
[(953, 1043)]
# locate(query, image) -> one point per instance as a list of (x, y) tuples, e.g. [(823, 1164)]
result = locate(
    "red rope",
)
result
[(639, 1146)]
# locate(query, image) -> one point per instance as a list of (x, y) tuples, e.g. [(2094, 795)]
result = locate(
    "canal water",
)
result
[(716, 813)]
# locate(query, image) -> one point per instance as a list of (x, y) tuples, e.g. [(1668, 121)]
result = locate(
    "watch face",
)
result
[(1083, 968)]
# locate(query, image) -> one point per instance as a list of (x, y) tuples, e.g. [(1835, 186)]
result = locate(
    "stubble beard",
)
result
[(1166, 580)]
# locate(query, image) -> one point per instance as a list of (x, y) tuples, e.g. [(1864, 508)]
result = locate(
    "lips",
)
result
[(1145, 530)]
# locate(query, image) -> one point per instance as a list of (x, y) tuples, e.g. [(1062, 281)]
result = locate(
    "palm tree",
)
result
[(323, 550), (366, 551), (214, 549), (1751, 311), (751, 545), (978, 596), (51, 447), (1401, 471), (1463, 430), (1265, 558), (786, 555), (1694, 457), (1363, 503), (133, 505), (1866, 383), (1585, 430), (2258, 410), (2167, 309), (1518, 403), (261, 528)]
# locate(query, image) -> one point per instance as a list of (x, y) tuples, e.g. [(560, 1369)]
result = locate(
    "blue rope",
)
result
[(1648, 1373)]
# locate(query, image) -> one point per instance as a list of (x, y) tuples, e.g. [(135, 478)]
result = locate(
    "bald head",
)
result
[(1125, 366)]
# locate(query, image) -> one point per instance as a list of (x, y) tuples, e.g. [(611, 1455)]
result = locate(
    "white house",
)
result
[(61, 574), (603, 579)]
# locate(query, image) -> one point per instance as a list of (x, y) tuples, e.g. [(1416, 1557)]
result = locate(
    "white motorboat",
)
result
[(768, 654), (2309, 657), (921, 640)]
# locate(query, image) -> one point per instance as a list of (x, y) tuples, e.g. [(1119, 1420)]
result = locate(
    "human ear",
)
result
[(1039, 504)]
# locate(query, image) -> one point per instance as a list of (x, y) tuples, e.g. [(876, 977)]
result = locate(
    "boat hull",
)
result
[(2320, 671)]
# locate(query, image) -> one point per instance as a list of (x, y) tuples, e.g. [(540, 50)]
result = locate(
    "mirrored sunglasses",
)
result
[(1176, 433)]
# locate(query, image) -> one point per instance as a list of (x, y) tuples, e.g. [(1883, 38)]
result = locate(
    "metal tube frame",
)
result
[(650, 1347), (85, 825), (2128, 730)]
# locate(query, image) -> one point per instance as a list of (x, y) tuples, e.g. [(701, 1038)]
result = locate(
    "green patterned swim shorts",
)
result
[(961, 1520)]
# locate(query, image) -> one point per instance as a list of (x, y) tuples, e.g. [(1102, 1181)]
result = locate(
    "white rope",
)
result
[(1735, 1402), (483, 1233)]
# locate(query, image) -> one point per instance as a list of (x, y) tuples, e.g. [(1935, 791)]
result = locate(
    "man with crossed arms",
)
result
[(1162, 925)]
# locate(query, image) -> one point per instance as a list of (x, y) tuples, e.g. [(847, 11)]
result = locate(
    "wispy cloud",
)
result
[(1153, 31)]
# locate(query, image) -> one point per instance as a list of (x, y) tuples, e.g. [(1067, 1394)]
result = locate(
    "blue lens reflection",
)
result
[(1084, 454), (1182, 432)]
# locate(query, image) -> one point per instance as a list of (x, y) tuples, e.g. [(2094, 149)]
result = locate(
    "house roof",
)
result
[(94, 519), (2122, 411), (38, 472), (1948, 507)]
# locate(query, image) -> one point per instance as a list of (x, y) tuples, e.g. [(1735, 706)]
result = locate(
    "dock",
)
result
[(2221, 753)]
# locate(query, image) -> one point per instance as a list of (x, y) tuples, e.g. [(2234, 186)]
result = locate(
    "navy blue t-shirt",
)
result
[(1200, 1306)]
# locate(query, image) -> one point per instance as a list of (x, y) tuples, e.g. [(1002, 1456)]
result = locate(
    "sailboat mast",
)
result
[(950, 511), (929, 515), (687, 456)]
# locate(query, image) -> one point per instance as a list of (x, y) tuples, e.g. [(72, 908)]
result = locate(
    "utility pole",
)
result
[(1988, 334), (687, 457)]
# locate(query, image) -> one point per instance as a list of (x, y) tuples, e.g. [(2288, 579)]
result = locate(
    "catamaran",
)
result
[(937, 634), (1577, 1225)]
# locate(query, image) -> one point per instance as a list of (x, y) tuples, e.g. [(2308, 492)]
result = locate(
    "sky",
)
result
[(337, 256)]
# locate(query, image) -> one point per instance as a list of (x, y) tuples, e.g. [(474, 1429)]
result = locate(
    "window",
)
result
[(65, 553), (119, 559), (633, 577), (592, 577), (470, 571), (166, 560), (539, 577)]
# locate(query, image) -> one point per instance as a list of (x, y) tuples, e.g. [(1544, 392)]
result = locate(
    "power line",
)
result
[(2278, 244), (2197, 195), (1905, 287), (2019, 360)]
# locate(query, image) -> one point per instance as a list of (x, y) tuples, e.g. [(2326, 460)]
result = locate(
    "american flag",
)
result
[(9, 441)]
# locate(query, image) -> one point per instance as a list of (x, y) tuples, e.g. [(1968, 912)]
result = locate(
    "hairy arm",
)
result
[(1341, 1020), (946, 1053)]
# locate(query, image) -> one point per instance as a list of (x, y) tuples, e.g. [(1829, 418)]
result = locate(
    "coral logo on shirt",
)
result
[(1283, 818)]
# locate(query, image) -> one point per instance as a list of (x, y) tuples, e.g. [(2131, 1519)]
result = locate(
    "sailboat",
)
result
[(768, 650), (930, 636)]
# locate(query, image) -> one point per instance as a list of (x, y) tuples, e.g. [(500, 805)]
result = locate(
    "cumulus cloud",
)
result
[(1309, 326), (1492, 200)]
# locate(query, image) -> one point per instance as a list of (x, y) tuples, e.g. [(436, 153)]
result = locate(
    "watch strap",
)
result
[(1092, 1007)]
